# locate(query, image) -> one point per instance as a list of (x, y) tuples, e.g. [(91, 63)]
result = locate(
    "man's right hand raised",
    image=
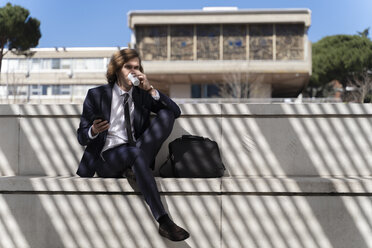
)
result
[(99, 126)]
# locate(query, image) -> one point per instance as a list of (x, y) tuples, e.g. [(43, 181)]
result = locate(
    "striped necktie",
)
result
[(128, 126)]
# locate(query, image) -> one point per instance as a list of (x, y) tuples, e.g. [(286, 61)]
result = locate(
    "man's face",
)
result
[(132, 66)]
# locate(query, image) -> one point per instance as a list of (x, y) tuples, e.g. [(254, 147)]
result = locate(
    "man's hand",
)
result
[(144, 83), (99, 126)]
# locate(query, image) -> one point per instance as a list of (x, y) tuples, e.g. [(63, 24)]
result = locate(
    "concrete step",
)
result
[(229, 212), (225, 185)]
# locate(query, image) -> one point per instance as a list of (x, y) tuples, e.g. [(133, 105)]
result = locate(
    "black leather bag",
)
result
[(192, 157)]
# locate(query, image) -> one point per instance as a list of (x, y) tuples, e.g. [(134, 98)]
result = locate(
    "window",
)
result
[(182, 41), (5, 65), (65, 63), (35, 90), (204, 91), (23, 65), (46, 64), (45, 89), (12, 64), (234, 42), (35, 64), (61, 90), (94, 64), (65, 90), (261, 42), (88, 64), (211, 91), (208, 42), (56, 63), (289, 41), (17, 90), (196, 91), (152, 42)]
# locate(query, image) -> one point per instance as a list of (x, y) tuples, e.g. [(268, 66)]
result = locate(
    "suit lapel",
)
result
[(137, 116), (106, 102)]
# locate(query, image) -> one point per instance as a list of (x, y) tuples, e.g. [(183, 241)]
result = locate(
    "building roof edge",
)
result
[(222, 11)]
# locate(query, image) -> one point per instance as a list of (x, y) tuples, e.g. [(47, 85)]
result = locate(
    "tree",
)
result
[(360, 87), (235, 85), (18, 31), (339, 57), (364, 33)]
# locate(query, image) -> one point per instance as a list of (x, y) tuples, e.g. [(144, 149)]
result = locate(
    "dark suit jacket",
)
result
[(98, 103)]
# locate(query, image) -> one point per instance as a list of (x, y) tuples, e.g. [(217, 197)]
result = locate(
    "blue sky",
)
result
[(99, 23)]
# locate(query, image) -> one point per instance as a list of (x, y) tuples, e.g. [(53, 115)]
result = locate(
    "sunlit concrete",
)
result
[(298, 175), (102, 220), (269, 221), (55, 150), (220, 16), (254, 139), (212, 186), (9, 133), (227, 212)]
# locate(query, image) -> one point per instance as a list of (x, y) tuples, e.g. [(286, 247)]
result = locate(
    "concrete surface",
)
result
[(227, 212), (298, 175), (210, 186), (254, 139)]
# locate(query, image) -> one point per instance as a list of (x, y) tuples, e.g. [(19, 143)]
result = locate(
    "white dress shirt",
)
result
[(116, 134)]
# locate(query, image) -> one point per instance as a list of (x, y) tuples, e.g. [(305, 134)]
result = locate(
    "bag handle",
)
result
[(192, 137)]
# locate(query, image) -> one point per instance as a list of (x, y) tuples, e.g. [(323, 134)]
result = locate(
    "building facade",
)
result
[(53, 74), (190, 53), (207, 53)]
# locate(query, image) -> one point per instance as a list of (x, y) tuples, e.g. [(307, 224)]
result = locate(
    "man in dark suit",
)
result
[(119, 137)]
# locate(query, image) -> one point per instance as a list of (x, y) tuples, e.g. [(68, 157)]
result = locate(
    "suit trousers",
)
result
[(140, 157)]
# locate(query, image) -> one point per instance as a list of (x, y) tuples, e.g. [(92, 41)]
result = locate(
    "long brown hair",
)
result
[(117, 61)]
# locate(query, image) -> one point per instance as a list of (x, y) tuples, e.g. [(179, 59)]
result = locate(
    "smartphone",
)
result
[(100, 117)]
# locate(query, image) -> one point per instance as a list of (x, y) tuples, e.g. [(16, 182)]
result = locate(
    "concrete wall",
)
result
[(255, 212), (254, 139), (180, 90), (298, 175)]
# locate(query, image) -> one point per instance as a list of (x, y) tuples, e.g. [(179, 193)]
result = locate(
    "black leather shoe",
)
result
[(173, 232)]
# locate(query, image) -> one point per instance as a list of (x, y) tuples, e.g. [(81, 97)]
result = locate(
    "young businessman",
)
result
[(119, 137)]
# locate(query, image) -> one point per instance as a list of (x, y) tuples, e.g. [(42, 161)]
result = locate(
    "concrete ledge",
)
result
[(298, 185), (227, 212), (277, 140), (213, 186), (102, 185), (209, 109), (297, 175), (299, 110)]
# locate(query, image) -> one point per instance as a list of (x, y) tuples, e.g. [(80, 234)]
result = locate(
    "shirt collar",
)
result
[(121, 92)]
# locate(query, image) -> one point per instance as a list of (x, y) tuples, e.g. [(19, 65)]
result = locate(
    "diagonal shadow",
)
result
[(269, 212), (93, 213)]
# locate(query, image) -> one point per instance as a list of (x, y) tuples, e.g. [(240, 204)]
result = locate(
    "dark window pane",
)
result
[(208, 42), (56, 63), (65, 90), (212, 90), (289, 41), (195, 91), (261, 42), (182, 37), (44, 89), (152, 42), (55, 90), (234, 42)]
